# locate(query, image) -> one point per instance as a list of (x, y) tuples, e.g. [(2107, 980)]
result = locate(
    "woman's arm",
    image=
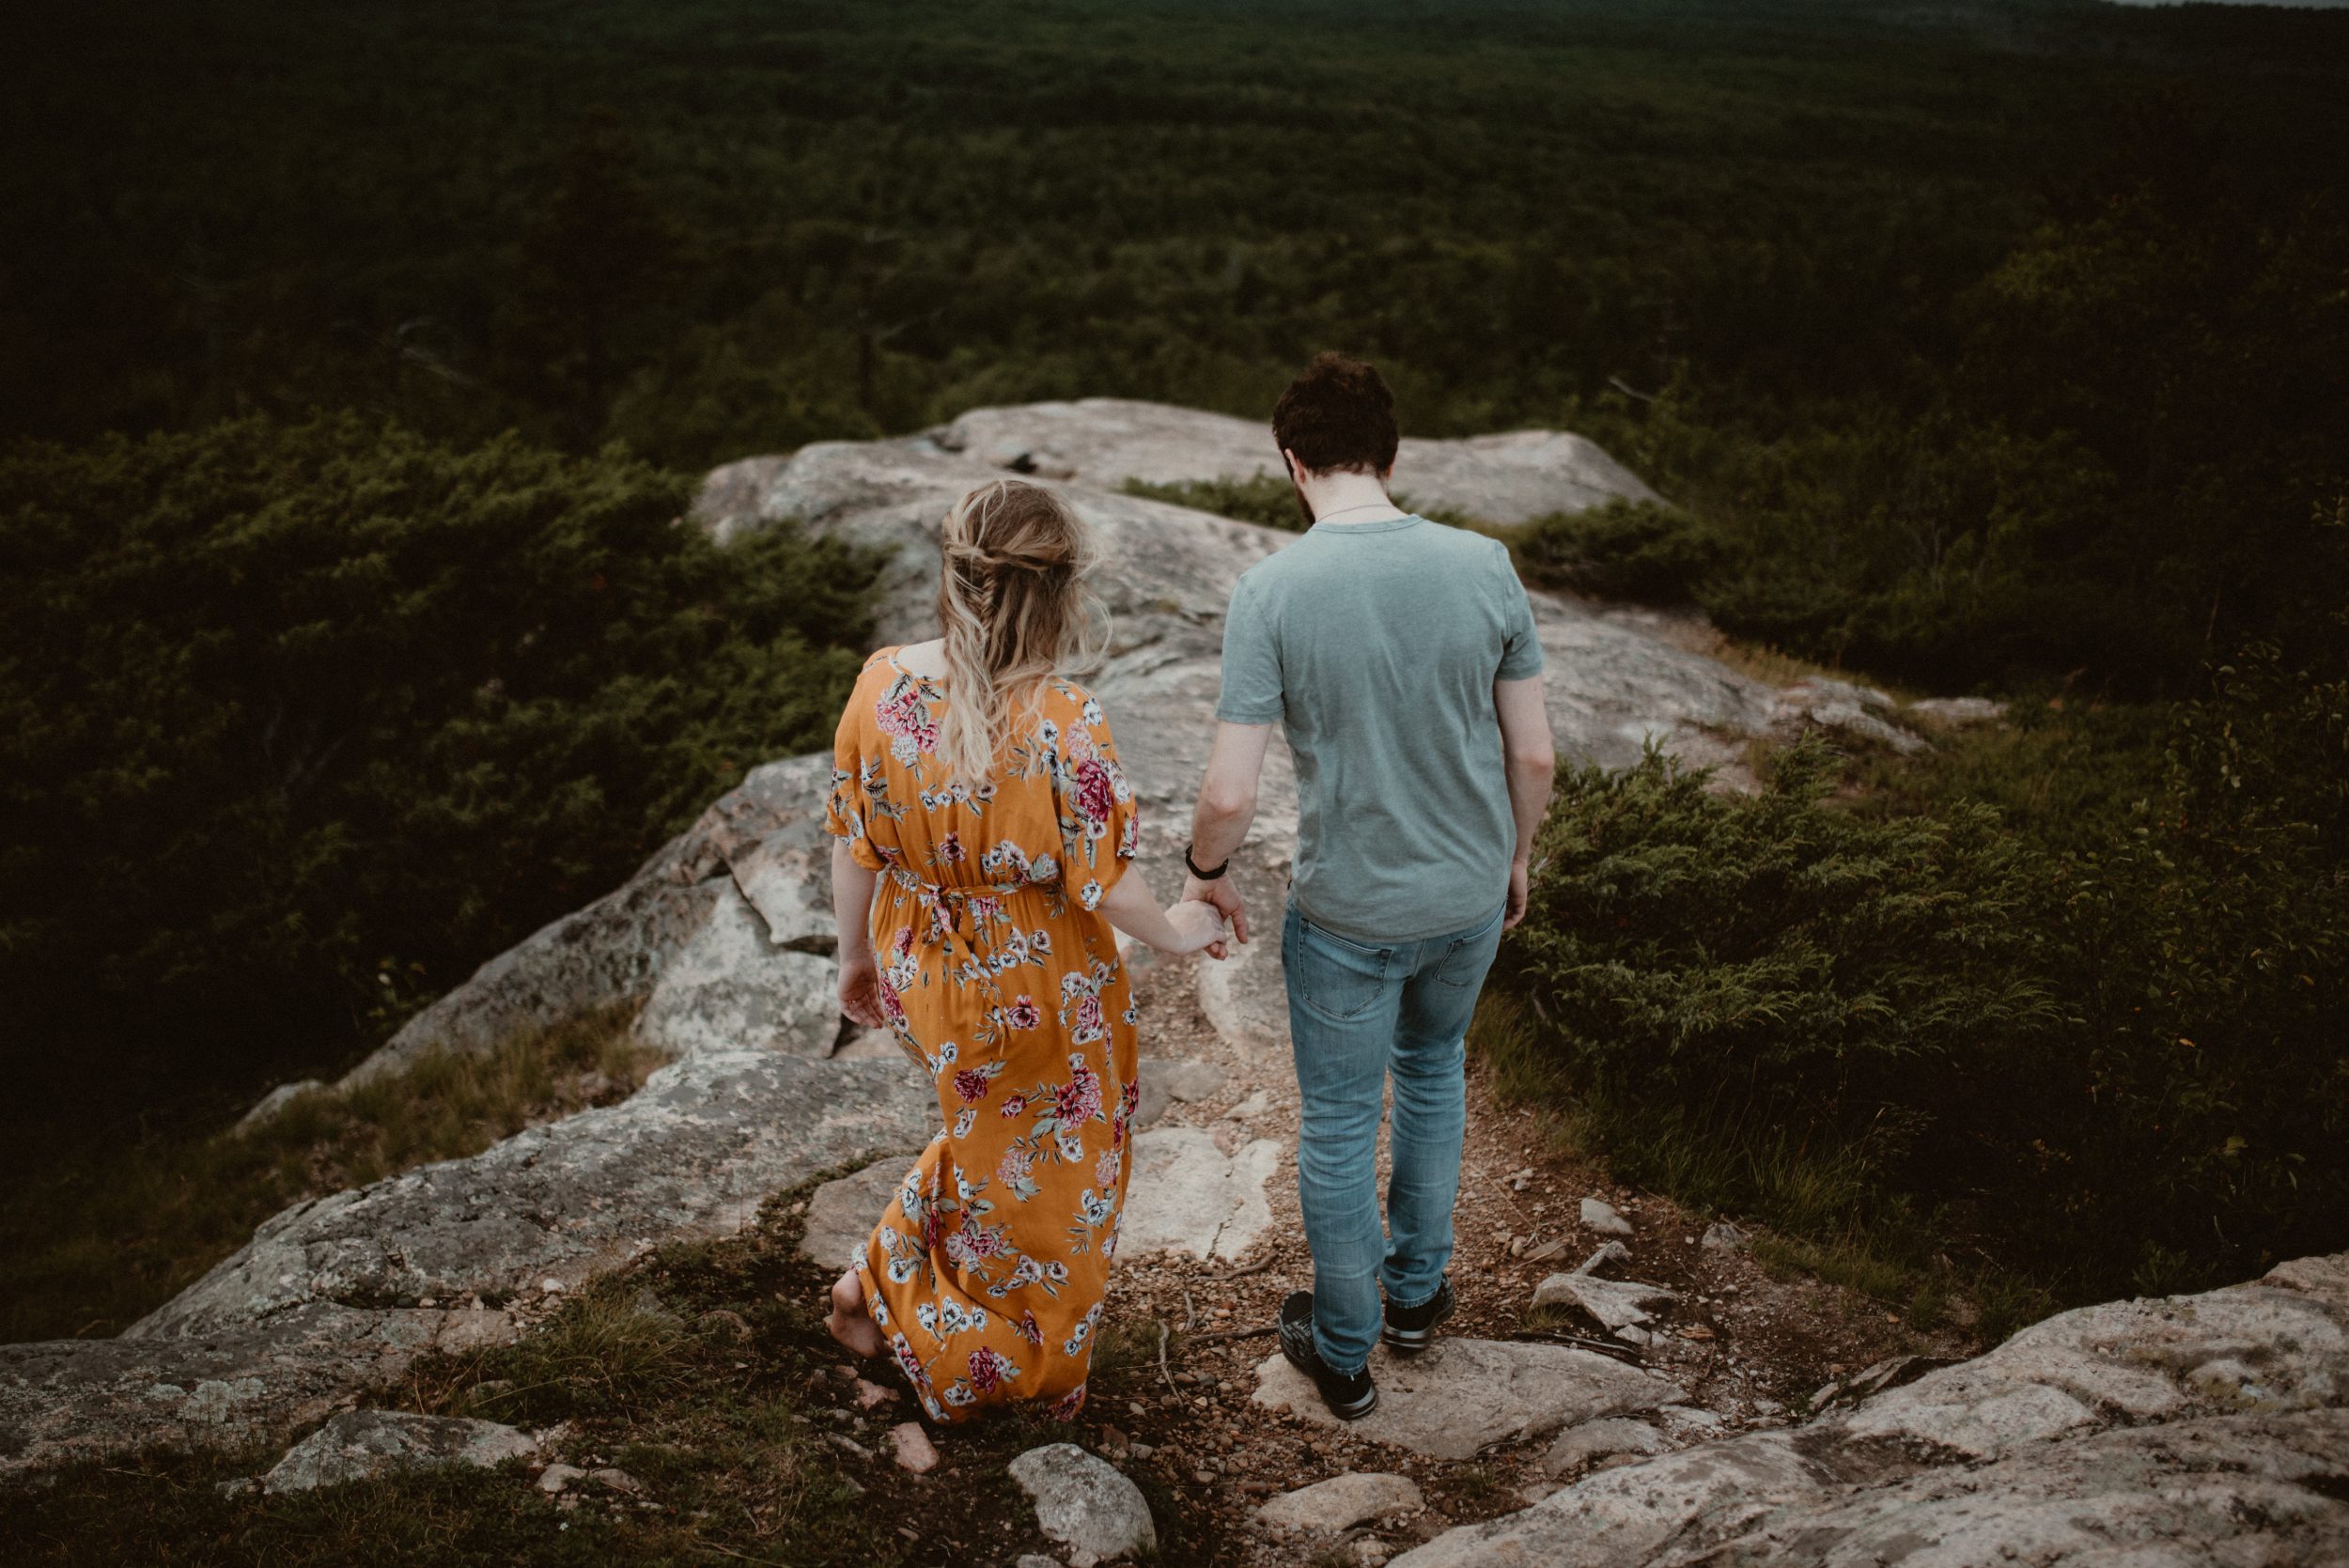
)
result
[(852, 909), (1133, 908)]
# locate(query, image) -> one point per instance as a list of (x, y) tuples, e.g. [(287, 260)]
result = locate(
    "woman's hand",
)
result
[(860, 991), (1196, 925)]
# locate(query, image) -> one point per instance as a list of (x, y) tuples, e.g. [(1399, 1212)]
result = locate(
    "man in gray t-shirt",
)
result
[(1400, 659)]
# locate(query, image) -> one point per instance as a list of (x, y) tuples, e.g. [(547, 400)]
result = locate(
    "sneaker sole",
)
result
[(1344, 1412), (1410, 1342)]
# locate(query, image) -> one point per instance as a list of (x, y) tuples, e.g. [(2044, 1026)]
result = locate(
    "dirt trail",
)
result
[(1748, 1349)]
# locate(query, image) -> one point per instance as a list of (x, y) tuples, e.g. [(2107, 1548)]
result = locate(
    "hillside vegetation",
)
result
[(359, 360)]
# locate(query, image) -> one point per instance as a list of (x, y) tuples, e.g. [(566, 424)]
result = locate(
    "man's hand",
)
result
[(1224, 896), (1519, 878), (860, 991)]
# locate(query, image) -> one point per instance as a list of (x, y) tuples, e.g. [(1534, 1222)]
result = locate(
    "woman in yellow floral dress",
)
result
[(984, 826)]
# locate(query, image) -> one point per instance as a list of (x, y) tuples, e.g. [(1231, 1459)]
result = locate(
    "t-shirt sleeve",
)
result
[(1100, 822), (1520, 644), (1251, 661), (852, 771)]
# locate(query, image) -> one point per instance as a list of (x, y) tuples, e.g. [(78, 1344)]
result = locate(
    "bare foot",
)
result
[(849, 1322)]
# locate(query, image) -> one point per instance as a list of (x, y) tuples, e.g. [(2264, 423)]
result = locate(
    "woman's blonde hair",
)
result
[(1015, 610)]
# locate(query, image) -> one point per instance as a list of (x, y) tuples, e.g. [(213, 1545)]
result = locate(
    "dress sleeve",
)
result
[(1100, 829), (854, 766)]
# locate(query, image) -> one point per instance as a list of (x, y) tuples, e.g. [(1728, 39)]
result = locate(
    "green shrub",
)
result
[(1634, 550), (2107, 1059), (1260, 499), (279, 701)]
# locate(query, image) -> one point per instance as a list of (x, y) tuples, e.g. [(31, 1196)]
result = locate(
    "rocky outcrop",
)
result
[(337, 1293), (1465, 1395), (726, 933), (722, 941), (360, 1444), (1105, 441), (2187, 1429)]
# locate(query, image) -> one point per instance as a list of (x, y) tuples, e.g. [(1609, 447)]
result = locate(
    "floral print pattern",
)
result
[(987, 1271)]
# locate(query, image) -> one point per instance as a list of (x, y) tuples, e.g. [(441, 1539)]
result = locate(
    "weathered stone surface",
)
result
[(1083, 1502), (326, 1297), (841, 1214), (66, 1399), (2183, 1430), (358, 1444), (693, 1153), (1104, 441), (1615, 1303), (1166, 1080), (1577, 1446), (1465, 1395), (1186, 1195), (1342, 1501), (1600, 1216)]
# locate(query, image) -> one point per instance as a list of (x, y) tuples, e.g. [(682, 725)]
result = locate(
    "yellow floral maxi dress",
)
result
[(985, 1272)]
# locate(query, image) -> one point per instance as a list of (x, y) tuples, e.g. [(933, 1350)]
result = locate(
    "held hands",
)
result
[(1196, 926), (1224, 897)]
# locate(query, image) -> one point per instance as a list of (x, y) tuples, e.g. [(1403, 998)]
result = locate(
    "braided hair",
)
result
[(1016, 612)]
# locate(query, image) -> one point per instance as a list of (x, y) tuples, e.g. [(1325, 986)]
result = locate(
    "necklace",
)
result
[(1343, 510)]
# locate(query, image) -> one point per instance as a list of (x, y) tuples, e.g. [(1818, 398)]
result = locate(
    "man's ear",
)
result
[(1295, 470)]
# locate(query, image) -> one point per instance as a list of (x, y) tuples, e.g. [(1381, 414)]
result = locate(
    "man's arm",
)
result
[(1531, 761), (1227, 804)]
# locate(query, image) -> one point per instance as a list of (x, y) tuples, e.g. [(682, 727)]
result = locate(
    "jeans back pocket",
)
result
[(1335, 976)]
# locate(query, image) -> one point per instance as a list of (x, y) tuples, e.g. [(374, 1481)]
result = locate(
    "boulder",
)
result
[(1083, 1502), (1105, 441), (2185, 1429), (361, 1444), (1167, 1080), (695, 1152), (841, 1214), (1466, 1395), (1577, 1446), (327, 1298), (1342, 1501)]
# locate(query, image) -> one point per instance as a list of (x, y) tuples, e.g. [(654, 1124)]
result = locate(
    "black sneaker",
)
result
[(1348, 1397), (1409, 1331)]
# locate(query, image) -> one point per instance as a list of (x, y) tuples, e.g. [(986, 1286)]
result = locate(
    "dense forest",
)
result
[(354, 361)]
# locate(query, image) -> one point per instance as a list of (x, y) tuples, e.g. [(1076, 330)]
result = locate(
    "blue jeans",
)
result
[(1358, 1011)]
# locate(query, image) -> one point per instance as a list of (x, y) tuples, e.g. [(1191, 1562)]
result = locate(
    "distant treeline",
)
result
[(1996, 344)]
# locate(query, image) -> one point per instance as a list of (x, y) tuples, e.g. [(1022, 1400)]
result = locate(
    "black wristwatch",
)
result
[(1203, 875)]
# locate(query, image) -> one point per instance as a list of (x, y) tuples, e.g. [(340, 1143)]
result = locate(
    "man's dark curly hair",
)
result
[(1338, 415)]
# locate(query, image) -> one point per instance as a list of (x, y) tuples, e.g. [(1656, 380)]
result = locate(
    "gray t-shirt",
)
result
[(1377, 645)]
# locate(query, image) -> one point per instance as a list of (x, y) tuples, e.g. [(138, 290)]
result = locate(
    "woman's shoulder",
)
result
[(1074, 697)]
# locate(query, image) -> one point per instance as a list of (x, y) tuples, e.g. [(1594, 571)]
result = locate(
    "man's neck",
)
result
[(1343, 498)]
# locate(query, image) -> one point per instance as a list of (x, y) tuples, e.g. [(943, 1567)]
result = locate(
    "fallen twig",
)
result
[(1257, 1267), (1581, 1341), (1189, 1315), (1163, 1372)]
